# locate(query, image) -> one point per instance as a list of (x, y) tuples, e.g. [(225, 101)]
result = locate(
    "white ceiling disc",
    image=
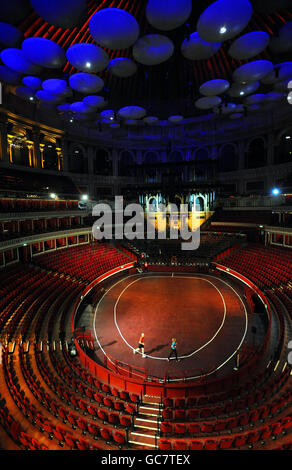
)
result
[(54, 85), (17, 61), (214, 87), (151, 119), (132, 112), (122, 67), (87, 57), (208, 102), (252, 71), (175, 118), (114, 28), (86, 82), (238, 90), (236, 116), (255, 99), (94, 101), (44, 52), (224, 19), (166, 15), (195, 48), (249, 45), (153, 49)]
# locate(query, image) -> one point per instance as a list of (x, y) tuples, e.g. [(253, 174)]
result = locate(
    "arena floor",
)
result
[(206, 315)]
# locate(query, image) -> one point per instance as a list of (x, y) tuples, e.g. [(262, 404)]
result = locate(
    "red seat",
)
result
[(125, 421), (165, 428), (119, 438), (179, 429), (225, 443), (105, 434), (196, 445), (82, 445), (164, 444), (93, 429), (180, 445), (113, 418), (210, 444)]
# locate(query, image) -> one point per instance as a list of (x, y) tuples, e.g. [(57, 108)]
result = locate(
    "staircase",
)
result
[(146, 424)]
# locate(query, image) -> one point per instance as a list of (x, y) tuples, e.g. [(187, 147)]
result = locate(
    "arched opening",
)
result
[(102, 163), (202, 155), (227, 159), (199, 201), (283, 151), (125, 162), (50, 156), (256, 155), (175, 156), (77, 159)]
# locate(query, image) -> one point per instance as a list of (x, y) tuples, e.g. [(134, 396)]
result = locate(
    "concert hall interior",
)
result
[(145, 225)]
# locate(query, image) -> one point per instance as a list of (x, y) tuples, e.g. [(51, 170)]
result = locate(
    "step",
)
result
[(142, 444), (148, 408), (140, 434), (146, 420), (144, 427)]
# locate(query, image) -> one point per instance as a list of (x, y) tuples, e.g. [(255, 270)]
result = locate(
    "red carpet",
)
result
[(202, 312)]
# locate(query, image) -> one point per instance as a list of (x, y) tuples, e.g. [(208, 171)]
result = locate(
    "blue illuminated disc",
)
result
[(87, 57), (236, 116), (25, 92), (9, 76), (108, 114), (122, 67), (114, 28), (168, 14), (214, 87), (64, 107), (252, 71), (54, 85), (151, 119), (249, 45), (153, 49), (94, 101), (61, 13), (47, 97), (195, 48), (175, 118), (44, 52), (80, 107), (86, 83), (16, 60), (32, 82), (9, 35), (238, 90), (258, 98), (132, 112), (208, 102), (224, 19)]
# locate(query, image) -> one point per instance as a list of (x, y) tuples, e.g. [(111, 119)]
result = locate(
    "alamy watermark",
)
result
[(132, 222)]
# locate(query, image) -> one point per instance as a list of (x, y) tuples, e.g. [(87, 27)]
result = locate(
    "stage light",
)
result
[(88, 65), (276, 191), (223, 30), (53, 196), (31, 98), (287, 137), (84, 197)]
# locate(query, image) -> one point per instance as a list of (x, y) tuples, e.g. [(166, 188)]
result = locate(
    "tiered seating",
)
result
[(84, 262), (265, 266)]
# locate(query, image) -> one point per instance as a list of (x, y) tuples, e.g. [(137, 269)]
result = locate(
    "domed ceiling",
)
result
[(133, 62)]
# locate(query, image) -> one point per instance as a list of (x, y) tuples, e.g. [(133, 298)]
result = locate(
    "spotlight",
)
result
[(241, 93), (84, 197), (53, 195), (275, 191), (31, 98), (223, 30), (287, 137), (88, 65)]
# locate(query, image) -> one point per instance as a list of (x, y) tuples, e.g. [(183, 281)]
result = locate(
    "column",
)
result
[(3, 147), (42, 161), (36, 148), (60, 158), (30, 153)]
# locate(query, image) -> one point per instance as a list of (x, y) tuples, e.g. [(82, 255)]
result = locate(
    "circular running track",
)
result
[(204, 313)]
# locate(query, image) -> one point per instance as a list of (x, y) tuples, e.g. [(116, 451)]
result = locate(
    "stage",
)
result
[(206, 314)]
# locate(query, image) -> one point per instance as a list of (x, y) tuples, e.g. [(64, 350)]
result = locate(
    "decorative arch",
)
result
[(283, 147), (202, 154), (102, 162), (77, 158), (175, 156), (256, 154), (228, 160), (126, 160), (150, 157)]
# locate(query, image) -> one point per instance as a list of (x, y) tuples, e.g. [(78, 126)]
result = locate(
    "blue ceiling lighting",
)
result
[(61, 13), (44, 52), (153, 49), (224, 19), (166, 15), (10, 36), (86, 82), (84, 56), (114, 28)]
